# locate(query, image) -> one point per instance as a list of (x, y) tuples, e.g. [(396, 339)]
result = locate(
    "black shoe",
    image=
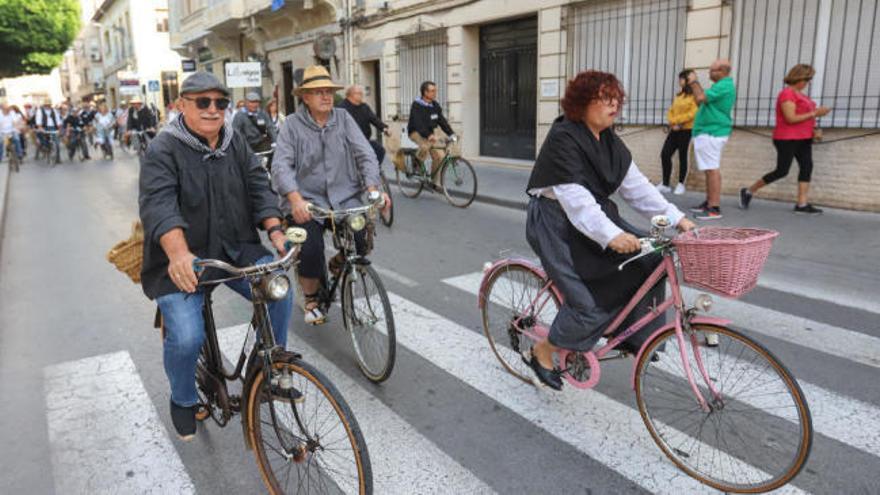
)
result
[(700, 207), (807, 209), (184, 419), (745, 197), (710, 213), (551, 378)]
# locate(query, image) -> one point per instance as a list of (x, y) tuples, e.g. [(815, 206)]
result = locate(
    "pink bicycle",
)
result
[(716, 402)]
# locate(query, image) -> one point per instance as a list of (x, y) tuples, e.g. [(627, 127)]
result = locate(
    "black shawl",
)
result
[(571, 154)]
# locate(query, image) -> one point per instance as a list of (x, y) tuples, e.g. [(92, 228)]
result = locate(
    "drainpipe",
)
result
[(349, 29)]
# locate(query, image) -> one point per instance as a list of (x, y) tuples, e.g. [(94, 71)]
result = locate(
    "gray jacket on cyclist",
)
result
[(327, 165), (218, 197)]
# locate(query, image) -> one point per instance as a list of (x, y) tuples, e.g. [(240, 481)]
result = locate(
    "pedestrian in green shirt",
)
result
[(712, 126)]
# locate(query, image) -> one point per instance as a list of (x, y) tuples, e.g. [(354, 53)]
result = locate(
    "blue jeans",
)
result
[(185, 334), (56, 138), (16, 143)]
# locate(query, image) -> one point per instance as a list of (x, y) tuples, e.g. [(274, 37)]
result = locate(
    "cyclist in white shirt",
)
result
[(9, 124)]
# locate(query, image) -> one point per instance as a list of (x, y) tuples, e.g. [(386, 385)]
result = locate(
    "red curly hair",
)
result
[(589, 86)]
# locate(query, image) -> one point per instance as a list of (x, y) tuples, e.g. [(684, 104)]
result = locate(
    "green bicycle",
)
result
[(458, 181)]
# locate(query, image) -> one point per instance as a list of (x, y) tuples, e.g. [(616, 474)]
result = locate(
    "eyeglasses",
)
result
[(322, 92), (203, 102)]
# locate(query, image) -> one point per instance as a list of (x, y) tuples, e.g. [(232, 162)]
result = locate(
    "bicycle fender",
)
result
[(490, 270), (706, 320)]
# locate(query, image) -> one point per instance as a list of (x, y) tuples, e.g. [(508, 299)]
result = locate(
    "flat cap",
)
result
[(202, 81), (253, 96)]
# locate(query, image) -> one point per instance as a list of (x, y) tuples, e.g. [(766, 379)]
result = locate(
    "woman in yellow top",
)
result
[(681, 118)]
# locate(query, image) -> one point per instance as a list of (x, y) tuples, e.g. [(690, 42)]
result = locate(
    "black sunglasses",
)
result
[(203, 102)]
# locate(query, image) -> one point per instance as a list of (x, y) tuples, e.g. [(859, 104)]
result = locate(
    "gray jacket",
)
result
[(256, 129), (327, 166)]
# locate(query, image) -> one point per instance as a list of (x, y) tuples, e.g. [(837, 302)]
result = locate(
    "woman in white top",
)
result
[(104, 122), (575, 227)]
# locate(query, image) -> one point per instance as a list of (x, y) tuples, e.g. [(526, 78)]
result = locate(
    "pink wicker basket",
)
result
[(724, 260)]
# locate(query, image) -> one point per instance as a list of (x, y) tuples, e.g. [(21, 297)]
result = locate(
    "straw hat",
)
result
[(316, 77), (135, 99)]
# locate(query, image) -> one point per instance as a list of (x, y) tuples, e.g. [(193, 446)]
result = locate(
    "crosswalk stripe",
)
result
[(403, 460), (105, 433), (603, 429), (833, 414)]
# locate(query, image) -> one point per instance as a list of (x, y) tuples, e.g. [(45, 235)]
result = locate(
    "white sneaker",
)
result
[(314, 316), (679, 189), (663, 189)]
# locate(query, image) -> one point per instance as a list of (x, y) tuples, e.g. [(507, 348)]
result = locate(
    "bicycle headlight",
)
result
[(357, 222), (276, 286), (703, 303)]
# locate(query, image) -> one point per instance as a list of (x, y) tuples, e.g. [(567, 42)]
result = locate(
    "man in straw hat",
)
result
[(322, 157), (140, 118), (202, 194)]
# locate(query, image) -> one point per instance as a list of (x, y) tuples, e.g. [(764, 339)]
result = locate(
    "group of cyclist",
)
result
[(204, 194), (76, 128)]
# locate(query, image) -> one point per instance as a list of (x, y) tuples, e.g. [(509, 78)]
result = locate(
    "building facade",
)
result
[(501, 69), (137, 59), (32, 89)]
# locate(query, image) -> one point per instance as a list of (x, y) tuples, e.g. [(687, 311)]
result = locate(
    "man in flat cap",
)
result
[(255, 124), (202, 194)]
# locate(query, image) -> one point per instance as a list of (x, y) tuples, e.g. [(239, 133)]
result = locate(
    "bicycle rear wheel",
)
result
[(459, 182), (757, 433), (387, 217), (311, 446), (369, 320), (410, 182), (513, 302)]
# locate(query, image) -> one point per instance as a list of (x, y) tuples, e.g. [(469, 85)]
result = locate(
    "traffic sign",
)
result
[(154, 86)]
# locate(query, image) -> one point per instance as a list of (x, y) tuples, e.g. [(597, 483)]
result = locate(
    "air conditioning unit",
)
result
[(96, 57)]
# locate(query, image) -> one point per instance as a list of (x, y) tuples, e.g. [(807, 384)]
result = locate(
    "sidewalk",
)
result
[(838, 251), (4, 189)]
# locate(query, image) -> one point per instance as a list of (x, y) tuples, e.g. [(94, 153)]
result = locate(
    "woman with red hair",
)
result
[(575, 228)]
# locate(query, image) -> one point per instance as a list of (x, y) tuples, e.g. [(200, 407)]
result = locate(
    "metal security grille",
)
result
[(839, 38), (640, 41), (422, 58)]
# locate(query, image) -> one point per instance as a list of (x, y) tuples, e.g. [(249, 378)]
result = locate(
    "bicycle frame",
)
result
[(682, 320)]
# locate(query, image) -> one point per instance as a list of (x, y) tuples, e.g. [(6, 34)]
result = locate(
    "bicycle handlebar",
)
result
[(295, 238), (319, 213)]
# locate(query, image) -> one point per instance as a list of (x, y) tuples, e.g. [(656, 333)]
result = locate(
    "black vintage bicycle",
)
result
[(366, 310), (303, 434), (457, 179)]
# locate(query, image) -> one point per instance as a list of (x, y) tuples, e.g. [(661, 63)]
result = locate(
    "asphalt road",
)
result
[(75, 332)]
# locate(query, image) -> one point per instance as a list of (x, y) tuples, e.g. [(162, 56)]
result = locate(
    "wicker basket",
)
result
[(724, 260), (128, 255)]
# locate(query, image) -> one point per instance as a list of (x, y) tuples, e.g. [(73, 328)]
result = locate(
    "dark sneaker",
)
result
[(710, 213), (184, 419), (745, 197), (807, 209), (700, 207)]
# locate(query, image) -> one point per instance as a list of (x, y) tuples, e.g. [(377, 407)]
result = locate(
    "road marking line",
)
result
[(833, 414), (403, 460), (385, 272), (849, 297), (105, 433), (605, 430)]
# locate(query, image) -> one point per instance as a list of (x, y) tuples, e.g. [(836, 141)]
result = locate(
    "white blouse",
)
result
[(587, 216)]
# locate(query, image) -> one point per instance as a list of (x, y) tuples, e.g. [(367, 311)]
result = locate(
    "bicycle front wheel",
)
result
[(310, 446), (459, 182), (515, 301), (367, 314), (387, 217), (411, 181), (757, 432)]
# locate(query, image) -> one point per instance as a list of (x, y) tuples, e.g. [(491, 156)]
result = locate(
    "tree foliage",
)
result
[(35, 33)]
